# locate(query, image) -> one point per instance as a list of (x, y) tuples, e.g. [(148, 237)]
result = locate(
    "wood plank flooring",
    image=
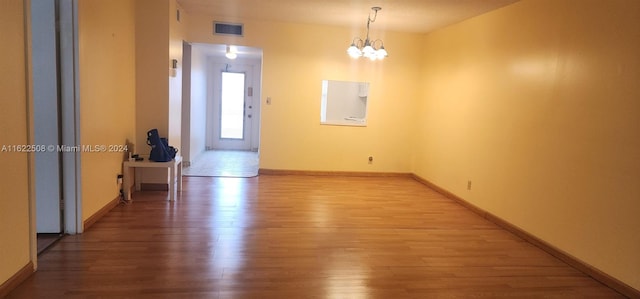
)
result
[(300, 237), (45, 240)]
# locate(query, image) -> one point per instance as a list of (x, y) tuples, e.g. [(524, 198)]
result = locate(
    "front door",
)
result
[(233, 110)]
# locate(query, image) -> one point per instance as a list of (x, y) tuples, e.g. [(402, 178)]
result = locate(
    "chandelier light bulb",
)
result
[(354, 51), (381, 53), (368, 51)]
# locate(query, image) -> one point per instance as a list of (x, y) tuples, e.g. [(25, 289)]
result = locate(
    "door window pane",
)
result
[(232, 106)]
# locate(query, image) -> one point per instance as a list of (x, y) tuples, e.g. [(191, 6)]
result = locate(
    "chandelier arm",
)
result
[(374, 43), (358, 42)]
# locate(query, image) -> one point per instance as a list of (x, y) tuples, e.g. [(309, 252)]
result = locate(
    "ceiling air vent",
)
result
[(228, 28)]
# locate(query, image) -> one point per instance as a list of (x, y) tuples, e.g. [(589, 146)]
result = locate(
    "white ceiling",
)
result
[(396, 15)]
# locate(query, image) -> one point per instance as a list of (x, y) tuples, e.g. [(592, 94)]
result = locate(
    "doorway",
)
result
[(55, 120), (46, 110), (230, 122), (233, 111)]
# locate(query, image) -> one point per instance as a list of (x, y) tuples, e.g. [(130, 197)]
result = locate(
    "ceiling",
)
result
[(419, 16), (217, 50)]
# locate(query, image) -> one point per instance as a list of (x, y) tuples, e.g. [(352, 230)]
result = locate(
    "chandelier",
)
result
[(369, 49)]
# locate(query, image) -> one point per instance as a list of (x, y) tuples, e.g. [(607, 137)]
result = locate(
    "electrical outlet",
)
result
[(468, 185), (370, 159), (119, 179)]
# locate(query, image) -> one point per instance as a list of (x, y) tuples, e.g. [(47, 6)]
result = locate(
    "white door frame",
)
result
[(56, 175), (232, 144), (252, 69), (70, 116), (70, 123)]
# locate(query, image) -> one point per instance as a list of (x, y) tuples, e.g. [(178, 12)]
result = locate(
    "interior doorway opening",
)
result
[(221, 111), (54, 99), (46, 120)]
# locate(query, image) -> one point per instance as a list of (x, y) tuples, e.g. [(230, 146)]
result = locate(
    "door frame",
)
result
[(55, 172), (70, 116), (69, 122), (243, 143), (215, 66)]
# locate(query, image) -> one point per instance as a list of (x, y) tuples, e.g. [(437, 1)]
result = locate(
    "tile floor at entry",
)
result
[(219, 163)]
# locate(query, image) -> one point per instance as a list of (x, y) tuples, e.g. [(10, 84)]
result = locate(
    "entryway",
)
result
[(224, 163), (221, 110)]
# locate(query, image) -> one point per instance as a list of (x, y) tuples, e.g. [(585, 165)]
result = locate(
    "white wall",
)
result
[(198, 105)]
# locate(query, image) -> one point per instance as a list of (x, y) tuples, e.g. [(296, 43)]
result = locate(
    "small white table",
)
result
[(175, 175)]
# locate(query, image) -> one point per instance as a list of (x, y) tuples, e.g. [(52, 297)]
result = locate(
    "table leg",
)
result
[(138, 176), (179, 178), (172, 182), (126, 183)]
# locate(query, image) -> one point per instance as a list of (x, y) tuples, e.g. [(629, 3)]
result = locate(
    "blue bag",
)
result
[(160, 149)]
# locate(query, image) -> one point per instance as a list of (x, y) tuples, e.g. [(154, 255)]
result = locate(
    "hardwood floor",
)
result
[(46, 240), (301, 237)]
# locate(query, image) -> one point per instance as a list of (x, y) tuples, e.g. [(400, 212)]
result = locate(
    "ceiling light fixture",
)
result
[(232, 52), (367, 48)]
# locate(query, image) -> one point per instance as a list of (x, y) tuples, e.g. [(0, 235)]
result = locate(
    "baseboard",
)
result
[(333, 173), (154, 187), (15, 280), (576, 263), (100, 213)]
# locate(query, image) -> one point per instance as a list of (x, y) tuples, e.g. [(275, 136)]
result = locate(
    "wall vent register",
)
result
[(228, 28)]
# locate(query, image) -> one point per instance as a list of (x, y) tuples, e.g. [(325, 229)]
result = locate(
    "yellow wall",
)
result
[(107, 94), (176, 36), (152, 70), (296, 58), (14, 179), (159, 93), (537, 104)]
